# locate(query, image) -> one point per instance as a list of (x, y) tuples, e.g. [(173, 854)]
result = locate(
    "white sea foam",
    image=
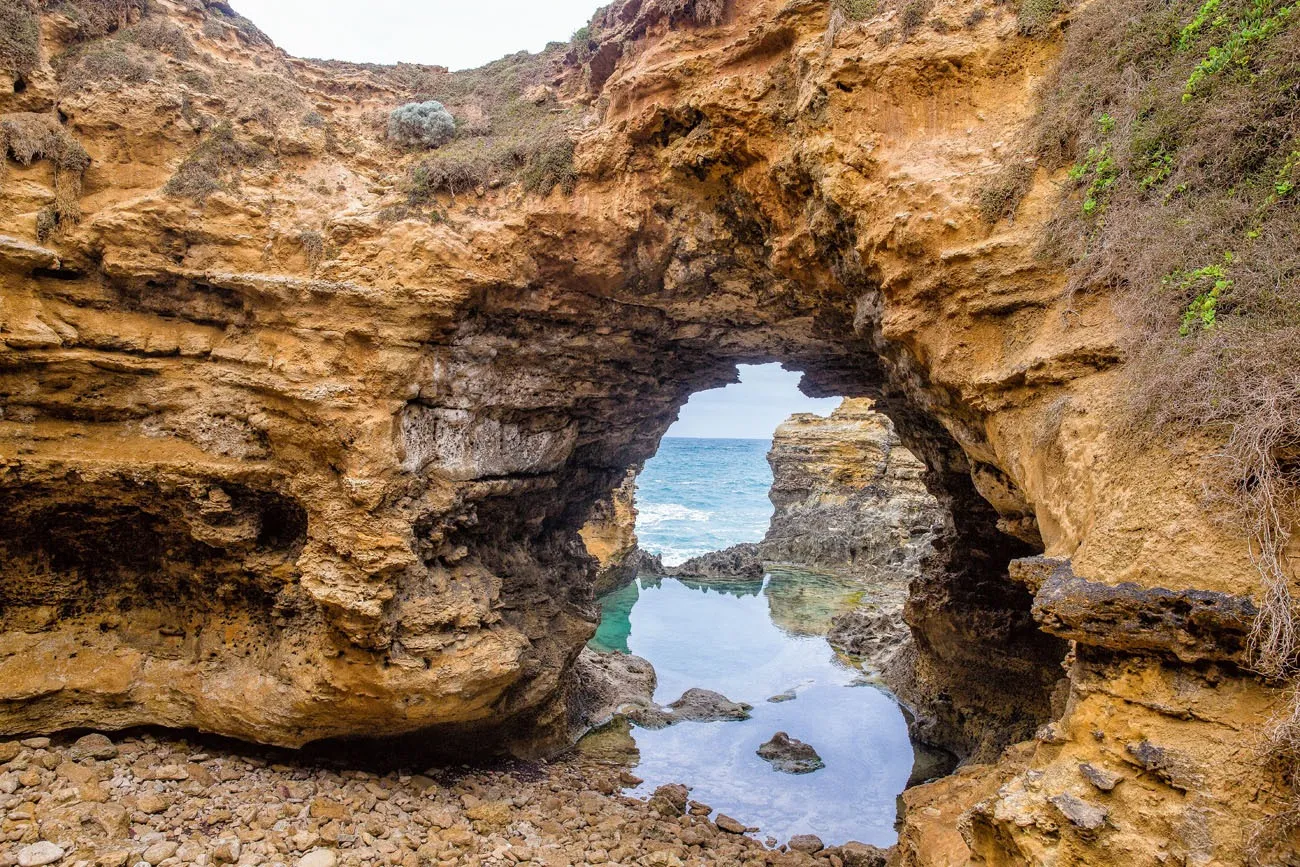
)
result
[(653, 514), (671, 556)]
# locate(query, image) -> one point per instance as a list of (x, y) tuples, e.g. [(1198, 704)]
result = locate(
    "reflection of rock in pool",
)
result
[(611, 743), (804, 603), (615, 620)]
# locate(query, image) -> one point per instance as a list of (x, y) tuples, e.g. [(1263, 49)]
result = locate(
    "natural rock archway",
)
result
[(282, 462)]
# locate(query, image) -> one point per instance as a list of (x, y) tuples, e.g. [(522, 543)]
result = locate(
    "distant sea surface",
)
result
[(700, 495)]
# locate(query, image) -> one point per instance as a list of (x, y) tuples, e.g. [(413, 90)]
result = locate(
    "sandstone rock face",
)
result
[(610, 536), (286, 457), (848, 497)]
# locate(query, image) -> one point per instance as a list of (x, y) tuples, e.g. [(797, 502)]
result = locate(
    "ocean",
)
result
[(700, 495), (759, 641)]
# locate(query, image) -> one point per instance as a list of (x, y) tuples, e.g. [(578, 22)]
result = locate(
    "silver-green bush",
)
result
[(421, 124)]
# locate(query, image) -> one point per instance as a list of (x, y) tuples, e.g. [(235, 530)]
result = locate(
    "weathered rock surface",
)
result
[(790, 755), (610, 536), (694, 705), (739, 561), (876, 633), (288, 462), (605, 684), (848, 497)]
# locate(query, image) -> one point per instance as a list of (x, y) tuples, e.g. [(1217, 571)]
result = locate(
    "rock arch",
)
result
[(380, 455)]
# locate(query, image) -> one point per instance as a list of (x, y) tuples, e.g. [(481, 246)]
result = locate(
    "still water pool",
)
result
[(751, 641)]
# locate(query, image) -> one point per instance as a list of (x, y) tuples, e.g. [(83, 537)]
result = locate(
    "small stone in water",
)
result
[(790, 755)]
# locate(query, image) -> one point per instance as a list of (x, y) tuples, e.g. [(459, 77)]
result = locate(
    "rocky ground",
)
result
[(148, 799)]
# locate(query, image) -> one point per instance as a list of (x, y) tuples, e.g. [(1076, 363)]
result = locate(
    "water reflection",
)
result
[(752, 641)]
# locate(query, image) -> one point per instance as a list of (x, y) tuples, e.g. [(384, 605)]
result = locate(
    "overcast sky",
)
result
[(459, 35), (765, 397)]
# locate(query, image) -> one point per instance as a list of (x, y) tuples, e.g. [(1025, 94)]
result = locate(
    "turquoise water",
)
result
[(700, 495), (750, 641)]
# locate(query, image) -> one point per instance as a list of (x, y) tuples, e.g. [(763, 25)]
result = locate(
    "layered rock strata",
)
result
[(848, 497), (291, 450)]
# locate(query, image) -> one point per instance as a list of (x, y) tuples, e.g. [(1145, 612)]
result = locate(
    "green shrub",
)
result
[(856, 10), (1034, 17), (216, 164), (420, 125), (20, 37), (1180, 120)]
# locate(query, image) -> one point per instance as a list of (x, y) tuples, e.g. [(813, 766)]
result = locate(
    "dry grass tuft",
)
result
[(27, 137), (999, 197), (509, 129), (216, 164), (92, 19), (1180, 122), (20, 37)]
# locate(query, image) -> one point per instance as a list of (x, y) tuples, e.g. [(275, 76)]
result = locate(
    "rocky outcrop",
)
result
[(610, 536), (848, 497), (296, 444), (694, 705), (737, 562)]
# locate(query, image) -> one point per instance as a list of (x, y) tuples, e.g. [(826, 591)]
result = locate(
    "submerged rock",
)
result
[(790, 756), (695, 705), (788, 695), (705, 705)]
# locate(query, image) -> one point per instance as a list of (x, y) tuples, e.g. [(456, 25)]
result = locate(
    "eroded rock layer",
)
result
[(296, 448), (848, 497)]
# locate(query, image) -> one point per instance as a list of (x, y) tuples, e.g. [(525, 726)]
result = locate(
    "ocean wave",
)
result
[(673, 556), (652, 514)]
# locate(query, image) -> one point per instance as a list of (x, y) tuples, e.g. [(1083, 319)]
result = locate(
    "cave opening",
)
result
[(775, 536)]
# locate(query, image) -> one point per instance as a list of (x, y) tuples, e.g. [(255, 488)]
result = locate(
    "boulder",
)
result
[(790, 756)]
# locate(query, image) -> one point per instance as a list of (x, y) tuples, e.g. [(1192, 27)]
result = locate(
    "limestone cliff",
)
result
[(299, 429), (848, 497), (610, 536)]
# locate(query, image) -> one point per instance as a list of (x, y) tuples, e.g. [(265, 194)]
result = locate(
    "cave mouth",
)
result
[(777, 534)]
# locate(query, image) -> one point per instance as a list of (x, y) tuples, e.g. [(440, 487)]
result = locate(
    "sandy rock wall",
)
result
[(293, 460)]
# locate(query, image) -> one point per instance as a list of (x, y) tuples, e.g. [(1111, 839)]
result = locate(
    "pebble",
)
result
[(155, 801), (38, 854), (809, 843), (159, 852), (318, 858)]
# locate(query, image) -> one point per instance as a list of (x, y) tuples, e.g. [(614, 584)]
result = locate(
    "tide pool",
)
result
[(751, 641)]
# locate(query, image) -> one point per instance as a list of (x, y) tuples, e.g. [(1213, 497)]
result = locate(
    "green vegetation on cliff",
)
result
[(1180, 124)]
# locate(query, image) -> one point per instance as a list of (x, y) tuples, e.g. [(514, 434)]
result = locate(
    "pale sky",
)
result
[(766, 396), (458, 35)]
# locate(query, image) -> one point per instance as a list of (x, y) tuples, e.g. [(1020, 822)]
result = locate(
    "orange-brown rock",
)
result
[(610, 536), (286, 457)]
